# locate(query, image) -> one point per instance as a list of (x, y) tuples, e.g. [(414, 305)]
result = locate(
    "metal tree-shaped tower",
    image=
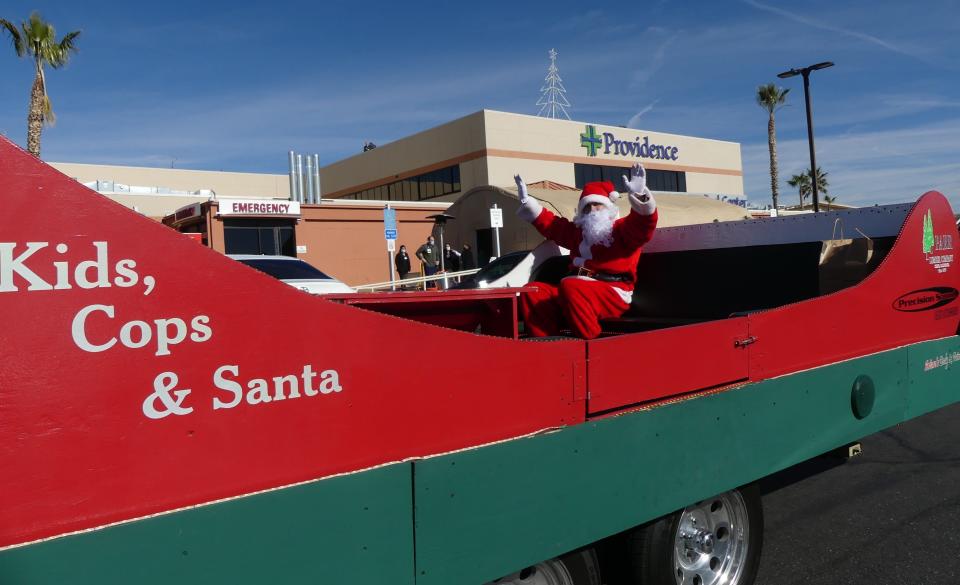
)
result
[(552, 100)]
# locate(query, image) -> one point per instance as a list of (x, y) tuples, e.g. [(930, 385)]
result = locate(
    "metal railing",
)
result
[(418, 282)]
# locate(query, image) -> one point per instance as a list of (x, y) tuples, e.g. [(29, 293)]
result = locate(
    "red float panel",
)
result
[(641, 367), (140, 372), (911, 296)]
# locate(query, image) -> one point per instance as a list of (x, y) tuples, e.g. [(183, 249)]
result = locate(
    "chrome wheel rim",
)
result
[(712, 541)]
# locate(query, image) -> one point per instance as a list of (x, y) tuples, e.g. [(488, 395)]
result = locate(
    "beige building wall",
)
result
[(436, 148), (473, 173), (224, 184), (722, 184), (155, 206), (492, 146), (502, 170), (525, 135)]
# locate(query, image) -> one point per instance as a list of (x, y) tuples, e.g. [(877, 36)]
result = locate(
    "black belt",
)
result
[(603, 276)]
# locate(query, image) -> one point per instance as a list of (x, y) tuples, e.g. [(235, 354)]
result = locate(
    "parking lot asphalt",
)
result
[(889, 516)]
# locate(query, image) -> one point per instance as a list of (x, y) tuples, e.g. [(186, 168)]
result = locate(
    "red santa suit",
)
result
[(602, 275)]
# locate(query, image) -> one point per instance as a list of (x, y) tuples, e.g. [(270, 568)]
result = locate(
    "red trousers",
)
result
[(577, 303)]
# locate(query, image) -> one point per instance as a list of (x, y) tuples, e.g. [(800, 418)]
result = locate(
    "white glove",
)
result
[(640, 198), (521, 189), (637, 183), (530, 208)]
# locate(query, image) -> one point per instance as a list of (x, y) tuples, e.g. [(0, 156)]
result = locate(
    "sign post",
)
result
[(390, 234), (496, 222)]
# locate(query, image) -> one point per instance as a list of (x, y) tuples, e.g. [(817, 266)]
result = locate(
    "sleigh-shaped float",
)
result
[(170, 416)]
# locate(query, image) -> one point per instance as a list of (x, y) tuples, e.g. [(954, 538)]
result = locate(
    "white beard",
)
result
[(597, 227)]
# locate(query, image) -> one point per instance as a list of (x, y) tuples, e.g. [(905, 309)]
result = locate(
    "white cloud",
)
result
[(645, 73), (844, 31), (886, 166), (635, 119)]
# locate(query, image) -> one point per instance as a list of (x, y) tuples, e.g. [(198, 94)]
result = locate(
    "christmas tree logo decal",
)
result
[(928, 232)]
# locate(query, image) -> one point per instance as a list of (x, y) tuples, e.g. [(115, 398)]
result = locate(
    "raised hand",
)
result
[(637, 183), (521, 189)]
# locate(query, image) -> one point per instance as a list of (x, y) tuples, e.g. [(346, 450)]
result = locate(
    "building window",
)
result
[(426, 186), (265, 236), (657, 180)]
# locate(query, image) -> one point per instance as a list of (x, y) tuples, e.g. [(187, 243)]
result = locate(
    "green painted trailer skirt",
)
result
[(349, 529), (482, 513)]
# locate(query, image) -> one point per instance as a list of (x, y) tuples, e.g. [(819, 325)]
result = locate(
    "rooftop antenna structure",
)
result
[(553, 102)]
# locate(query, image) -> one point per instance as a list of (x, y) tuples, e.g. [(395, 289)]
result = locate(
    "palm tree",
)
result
[(829, 201), (822, 182), (802, 183), (771, 98), (805, 187), (39, 40)]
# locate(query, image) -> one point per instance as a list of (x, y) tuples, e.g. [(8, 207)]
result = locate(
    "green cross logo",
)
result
[(928, 232), (591, 140)]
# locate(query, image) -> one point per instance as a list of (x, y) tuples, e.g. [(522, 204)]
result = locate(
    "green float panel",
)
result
[(934, 380), (484, 513), (349, 529)]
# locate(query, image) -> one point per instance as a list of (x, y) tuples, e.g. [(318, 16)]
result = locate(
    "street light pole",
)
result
[(805, 72), (813, 150)]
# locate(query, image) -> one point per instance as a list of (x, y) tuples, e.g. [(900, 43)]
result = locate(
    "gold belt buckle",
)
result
[(581, 271)]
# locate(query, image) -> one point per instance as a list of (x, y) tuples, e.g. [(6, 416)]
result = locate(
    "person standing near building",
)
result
[(466, 258), (451, 259), (429, 257), (402, 262)]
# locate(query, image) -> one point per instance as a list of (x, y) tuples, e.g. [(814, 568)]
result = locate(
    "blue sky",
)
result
[(235, 85)]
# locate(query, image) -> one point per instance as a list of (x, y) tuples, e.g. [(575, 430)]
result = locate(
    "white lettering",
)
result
[(126, 334), (201, 331), (280, 381), (259, 393), (10, 266), (88, 274), (308, 376), (149, 283), (229, 385), (126, 275), (136, 333), (258, 390), (63, 270), (164, 340), (79, 332), (329, 382), (82, 271)]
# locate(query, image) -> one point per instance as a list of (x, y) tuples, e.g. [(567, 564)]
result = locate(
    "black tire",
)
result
[(581, 565), (651, 548)]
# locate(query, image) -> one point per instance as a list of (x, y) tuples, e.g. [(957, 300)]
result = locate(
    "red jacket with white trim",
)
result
[(630, 233)]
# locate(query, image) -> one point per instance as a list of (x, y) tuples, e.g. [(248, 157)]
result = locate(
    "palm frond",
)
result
[(49, 118), (67, 44), (770, 97), (58, 54), (15, 36), (36, 31)]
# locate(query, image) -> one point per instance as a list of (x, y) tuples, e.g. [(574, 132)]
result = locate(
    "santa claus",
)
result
[(604, 249)]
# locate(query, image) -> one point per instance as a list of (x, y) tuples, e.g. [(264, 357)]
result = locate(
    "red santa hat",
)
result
[(598, 192)]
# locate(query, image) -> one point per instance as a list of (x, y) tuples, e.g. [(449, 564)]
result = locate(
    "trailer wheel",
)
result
[(714, 542), (577, 568)]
